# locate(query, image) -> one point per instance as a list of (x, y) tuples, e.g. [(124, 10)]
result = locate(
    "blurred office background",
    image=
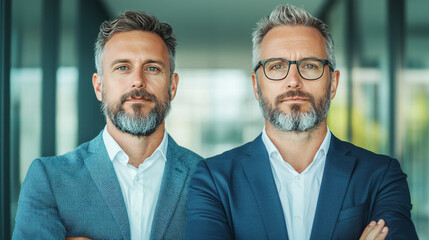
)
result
[(48, 107)]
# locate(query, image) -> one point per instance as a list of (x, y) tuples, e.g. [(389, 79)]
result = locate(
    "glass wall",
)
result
[(26, 89), (370, 78), (413, 105), (67, 79), (27, 74), (362, 37), (338, 113), (215, 108)]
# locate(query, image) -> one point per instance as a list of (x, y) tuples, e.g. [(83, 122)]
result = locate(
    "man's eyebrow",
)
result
[(128, 61), (154, 61), (119, 61)]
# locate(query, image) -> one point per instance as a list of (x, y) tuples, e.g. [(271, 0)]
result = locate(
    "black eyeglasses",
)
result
[(308, 68)]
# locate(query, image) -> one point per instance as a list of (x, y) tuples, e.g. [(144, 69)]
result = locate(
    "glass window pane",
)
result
[(370, 76), (214, 110), (413, 103), (67, 80), (26, 83), (337, 117)]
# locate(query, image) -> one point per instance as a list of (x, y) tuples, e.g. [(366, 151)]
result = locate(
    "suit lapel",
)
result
[(257, 168), (336, 177), (102, 172), (173, 181)]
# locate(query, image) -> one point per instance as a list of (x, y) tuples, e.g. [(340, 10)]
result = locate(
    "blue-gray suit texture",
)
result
[(78, 194), (234, 196)]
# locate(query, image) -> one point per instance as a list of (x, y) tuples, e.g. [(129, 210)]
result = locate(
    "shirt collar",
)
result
[(324, 147), (274, 153), (114, 150)]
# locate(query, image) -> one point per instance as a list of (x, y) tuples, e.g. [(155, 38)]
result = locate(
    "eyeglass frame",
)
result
[(262, 63)]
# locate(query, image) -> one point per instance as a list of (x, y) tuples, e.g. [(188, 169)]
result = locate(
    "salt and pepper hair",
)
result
[(130, 21), (289, 15)]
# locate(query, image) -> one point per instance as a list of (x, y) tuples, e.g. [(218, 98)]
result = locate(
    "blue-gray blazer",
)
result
[(78, 194)]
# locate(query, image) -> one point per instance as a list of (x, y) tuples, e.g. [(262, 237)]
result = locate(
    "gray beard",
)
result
[(135, 125), (291, 122), (139, 124), (296, 120)]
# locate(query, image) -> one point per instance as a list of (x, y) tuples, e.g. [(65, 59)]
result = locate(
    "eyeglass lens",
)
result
[(277, 69)]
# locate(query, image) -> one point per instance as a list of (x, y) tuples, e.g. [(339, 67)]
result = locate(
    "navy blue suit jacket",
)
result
[(234, 196)]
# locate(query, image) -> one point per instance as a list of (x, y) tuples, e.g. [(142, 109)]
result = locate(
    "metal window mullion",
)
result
[(396, 42), (90, 119), (5, 30), (351, 59), (50, 38)]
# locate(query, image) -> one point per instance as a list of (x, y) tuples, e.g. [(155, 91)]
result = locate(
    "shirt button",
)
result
[(298, 218), (298, 178)]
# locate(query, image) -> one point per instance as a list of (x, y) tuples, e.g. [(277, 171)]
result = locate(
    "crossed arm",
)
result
[(206, 216)]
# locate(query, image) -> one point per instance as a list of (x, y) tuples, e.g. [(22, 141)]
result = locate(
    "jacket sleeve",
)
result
[(206, 218), (37, 216), (393, 204)]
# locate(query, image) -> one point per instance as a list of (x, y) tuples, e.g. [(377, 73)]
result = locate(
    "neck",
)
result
[(297, 148), (138, 148)]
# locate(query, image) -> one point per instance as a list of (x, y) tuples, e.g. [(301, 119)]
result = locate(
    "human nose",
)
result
[(138, 79), (293, 78)]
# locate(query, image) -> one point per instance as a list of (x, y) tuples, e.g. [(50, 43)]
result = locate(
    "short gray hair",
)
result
[(129, 21), (289, 15)]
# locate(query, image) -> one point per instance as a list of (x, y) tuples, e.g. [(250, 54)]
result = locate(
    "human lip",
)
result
[(138, 99), (294, 99)]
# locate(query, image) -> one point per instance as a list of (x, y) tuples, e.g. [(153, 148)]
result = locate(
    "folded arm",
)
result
[(393, 204), (206, 218)]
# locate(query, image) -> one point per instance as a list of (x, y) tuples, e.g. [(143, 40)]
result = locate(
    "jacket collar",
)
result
[(176, 172), (102, 172), (336, 177), (338, 169), (257, 169)]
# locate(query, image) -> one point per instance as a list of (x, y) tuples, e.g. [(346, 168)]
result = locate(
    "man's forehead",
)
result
[(132, 44), (293, 39), (133, 36), (298, 32)]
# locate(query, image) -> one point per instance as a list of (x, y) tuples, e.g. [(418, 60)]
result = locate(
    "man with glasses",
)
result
[(296, 180)]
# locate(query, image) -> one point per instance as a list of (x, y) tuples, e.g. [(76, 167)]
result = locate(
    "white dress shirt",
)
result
[(140, 186), (298, 192)]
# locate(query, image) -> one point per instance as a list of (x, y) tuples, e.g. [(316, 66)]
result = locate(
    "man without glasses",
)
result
[(131, 181), (296, 180)]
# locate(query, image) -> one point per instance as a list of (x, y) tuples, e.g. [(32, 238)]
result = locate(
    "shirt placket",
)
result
[(136, 199), (299, 207)]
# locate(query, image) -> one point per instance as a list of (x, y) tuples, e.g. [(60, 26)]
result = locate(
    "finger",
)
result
[(383, 234), (376, 230), (367, 230)]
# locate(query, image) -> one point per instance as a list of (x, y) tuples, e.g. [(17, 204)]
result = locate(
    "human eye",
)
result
[(153, 69), (311, 65), (275, 65), (122, 68)]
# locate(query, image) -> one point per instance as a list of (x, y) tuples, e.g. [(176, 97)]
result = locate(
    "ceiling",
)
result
[(210, 34)]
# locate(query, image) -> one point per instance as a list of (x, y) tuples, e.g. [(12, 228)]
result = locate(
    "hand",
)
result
[(375, 231), (77, 238)]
